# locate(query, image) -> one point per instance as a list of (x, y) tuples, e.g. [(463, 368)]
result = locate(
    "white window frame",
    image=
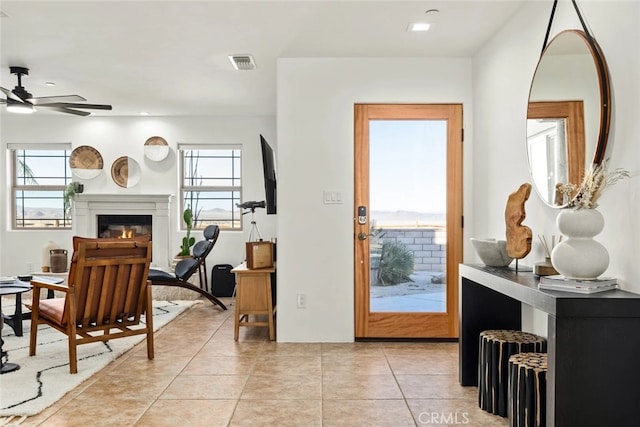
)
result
[(64, 223), (235, 224)]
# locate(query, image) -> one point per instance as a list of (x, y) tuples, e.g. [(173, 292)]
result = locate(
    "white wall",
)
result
[(315, 153), (502, 75), (117, 136)]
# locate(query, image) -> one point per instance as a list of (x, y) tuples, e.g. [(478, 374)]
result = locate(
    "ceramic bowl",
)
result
[(492, 252)]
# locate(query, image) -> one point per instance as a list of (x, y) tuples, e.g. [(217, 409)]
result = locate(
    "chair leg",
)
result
[(35, 317), (73, 347), (200, 279), (188, 285), (206, 280), (149, 322), (71, 334), (33, 335)]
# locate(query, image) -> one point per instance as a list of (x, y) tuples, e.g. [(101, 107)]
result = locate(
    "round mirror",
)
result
[(568, 115)]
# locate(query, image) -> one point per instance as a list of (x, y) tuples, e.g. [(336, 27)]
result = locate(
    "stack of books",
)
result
[(561, 283)]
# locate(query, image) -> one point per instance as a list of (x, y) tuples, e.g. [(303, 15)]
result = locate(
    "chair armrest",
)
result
[(48, 285)]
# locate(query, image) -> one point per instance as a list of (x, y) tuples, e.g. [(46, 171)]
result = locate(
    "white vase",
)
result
[(579, 256)]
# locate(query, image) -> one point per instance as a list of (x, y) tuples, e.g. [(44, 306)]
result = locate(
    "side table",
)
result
[(53, 277), (254, 297), (15, 321), (17, 288)]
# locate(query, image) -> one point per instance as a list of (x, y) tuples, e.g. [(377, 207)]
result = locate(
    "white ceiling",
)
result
[(170, 57)]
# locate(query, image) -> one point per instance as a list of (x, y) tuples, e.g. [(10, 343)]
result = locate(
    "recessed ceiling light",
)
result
[(418, 26), (49, 84), (144, 113)]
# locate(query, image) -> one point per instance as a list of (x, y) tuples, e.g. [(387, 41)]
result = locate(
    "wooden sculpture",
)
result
[(518, 236)]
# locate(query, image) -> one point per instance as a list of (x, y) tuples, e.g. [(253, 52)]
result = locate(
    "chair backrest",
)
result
[(202, 249), (78, 239), (211, 232), (108, 279), (186, 267)]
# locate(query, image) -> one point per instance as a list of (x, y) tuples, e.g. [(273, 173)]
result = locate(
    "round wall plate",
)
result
[(125, 172), (156, 148), (86, 162)]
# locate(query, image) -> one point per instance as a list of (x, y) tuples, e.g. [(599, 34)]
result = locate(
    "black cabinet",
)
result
[(593, 343)]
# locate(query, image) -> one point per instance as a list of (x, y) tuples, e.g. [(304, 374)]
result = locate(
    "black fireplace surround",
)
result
[(124, 226)]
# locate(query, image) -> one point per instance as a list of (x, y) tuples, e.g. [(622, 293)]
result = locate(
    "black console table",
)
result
[(593, 377)]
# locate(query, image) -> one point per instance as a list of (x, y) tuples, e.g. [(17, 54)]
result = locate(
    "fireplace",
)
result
[(124, 226), (128, 210)]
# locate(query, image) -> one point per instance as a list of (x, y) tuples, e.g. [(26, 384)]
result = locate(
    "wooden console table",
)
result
[(593, 343), (254, 297)]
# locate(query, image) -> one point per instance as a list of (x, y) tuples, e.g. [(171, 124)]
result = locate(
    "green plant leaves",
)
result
[(396, 264)]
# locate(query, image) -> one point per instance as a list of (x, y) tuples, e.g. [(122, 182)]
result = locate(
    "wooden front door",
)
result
[(408, 220)]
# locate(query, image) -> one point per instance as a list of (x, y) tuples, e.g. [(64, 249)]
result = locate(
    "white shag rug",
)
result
[(44, 378)]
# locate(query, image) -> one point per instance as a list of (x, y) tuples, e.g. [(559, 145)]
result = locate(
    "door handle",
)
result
[(362, 236)]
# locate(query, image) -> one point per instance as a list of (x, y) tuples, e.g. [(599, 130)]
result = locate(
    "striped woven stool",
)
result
[(528, 390), (496, 346)]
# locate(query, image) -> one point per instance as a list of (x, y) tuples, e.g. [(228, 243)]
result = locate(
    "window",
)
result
[(40, 174), (211, 184)]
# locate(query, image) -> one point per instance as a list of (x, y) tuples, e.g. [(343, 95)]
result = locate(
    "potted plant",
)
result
[(187, 240), (68, 196), (580, 256)]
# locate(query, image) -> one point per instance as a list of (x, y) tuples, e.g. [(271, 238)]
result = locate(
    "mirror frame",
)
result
[(605, 102)]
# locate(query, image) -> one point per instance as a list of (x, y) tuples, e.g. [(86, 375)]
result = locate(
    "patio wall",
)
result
[(428, 246)]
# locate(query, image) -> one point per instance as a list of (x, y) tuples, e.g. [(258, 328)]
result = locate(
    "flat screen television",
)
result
[(269, 170)]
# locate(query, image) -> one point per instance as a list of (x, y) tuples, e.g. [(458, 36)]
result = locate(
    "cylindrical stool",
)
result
[(528, 390), (496, 346)]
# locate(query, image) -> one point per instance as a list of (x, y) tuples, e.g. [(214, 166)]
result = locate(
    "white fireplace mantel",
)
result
[(87, 207)]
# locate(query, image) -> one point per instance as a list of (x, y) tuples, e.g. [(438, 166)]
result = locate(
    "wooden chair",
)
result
[(106, 296)]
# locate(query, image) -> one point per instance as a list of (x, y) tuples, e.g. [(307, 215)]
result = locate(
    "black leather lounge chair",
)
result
[(183, 272)]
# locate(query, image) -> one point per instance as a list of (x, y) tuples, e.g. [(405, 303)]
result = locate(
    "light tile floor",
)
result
[(201, 377)]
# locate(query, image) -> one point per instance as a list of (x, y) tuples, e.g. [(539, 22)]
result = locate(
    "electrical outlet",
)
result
[(302, 300)]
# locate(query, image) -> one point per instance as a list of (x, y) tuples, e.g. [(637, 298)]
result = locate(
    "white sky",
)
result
[(408, 165)]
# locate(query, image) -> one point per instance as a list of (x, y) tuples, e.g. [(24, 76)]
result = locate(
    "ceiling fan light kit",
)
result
[(19, 107), (19, 100)]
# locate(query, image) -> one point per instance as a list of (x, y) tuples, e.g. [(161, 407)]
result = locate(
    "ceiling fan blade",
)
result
[(74, 105), (41, 100), (69, 110), (11, 95)]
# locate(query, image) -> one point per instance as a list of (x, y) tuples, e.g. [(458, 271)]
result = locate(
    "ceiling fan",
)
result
[(20, 101)]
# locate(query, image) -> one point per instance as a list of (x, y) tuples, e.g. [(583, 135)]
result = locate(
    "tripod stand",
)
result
[(254, 231)]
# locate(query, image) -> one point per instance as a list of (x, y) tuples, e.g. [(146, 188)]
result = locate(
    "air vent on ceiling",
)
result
[(242, 62)]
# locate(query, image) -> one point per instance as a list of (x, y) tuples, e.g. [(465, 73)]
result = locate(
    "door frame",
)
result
[(408, 325)]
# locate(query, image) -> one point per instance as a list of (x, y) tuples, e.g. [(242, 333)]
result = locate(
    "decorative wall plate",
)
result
[(86, 162), (125, 172), (156, 148)]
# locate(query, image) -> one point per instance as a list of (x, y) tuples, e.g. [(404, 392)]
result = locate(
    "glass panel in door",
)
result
[(408, 211)]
